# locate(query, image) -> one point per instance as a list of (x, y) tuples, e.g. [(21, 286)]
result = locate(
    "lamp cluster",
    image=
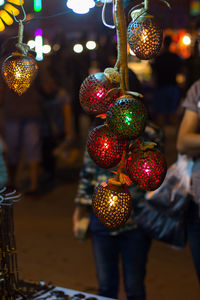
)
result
[(117, 143)]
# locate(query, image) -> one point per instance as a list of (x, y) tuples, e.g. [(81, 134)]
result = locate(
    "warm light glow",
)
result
[(144, 36), (56, 47), (31, 44), (46, 49), (18, 74), (78, 48), (91, 45), (186, 40), (80, 6)]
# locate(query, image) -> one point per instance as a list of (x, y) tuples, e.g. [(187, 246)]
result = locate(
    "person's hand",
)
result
[(79, 213)]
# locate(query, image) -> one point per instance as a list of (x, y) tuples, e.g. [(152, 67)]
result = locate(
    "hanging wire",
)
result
[(103, 17), (24, 13)]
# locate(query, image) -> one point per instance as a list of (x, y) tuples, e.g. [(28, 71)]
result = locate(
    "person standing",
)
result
[(21, 130), (129, 242), (188, 142), (165, 68)]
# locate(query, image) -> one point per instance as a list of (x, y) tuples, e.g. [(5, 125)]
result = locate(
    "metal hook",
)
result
[(24, 13)]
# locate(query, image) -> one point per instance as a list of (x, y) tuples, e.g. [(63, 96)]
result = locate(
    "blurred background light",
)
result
[(2, 2), (91, 45), (46, 49), (37, 5), (39, 44), (78, 48), (186, 40), (80, 6), (31, 44)]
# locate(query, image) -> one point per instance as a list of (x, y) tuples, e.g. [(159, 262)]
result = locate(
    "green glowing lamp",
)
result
[(37, 5)]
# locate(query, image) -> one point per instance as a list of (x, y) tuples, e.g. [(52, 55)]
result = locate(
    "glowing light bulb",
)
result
[(80, 6), (46, 49), (78, 48), (186, 40), (91, 45), (144, 36), (31, 44)]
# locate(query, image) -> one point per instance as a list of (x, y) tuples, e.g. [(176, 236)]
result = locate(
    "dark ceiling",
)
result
[(72, 25)]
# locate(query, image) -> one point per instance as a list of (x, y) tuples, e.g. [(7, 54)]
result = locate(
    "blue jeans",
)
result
[(133, 247), (194, 235)]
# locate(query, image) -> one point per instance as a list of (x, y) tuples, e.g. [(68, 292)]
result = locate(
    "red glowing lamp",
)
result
[(104, 147), (93, 94), (147, 168)]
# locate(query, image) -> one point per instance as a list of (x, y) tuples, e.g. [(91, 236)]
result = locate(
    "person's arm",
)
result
[(188, 141), (83, 200)]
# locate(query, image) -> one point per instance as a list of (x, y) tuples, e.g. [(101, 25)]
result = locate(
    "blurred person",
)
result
[(56, 130), (167, 96), (192, 66), (128, 243), (188, 143), (21, 130)]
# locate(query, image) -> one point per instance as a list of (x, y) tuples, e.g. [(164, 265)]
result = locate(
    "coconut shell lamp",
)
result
[(111, 204), (104, 147), (20, 69), (144, 33)]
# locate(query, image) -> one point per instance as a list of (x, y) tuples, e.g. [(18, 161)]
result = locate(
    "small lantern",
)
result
[(127, 117), (104, 147), (111, 204), (144, 35), (93, 92), (147, 168), (19, 71)]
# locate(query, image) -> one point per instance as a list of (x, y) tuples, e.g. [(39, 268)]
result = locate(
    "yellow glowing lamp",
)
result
[(19, 71), (7, 12), (144, 35), (111, 204)]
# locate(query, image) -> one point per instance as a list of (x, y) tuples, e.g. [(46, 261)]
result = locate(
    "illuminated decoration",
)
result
[(112, 205), (39, 44), (78, 48), (127, 117), (104, 147), (144, 36), (8, 10), (19, 71), (147, 168), (107, 96), (93, 92), (80, 6), (37, 5)]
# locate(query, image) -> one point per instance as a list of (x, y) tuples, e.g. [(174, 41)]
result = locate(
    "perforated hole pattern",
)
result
[(147, 169), (19, 71), (111, 208), (145, 37), (127, 118), (104, 147), (93, 93)]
